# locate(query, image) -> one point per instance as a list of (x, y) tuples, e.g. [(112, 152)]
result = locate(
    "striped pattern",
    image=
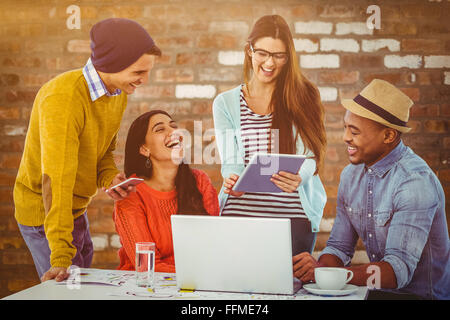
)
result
[(255, 132), (96, 86)]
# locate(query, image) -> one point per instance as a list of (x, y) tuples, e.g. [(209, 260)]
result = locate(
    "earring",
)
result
[(148, 163)]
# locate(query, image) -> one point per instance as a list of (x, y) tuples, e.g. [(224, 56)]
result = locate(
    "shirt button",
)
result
[(350, 209), (370, 170), (369, 215), (373, 256), (370, 191), (370, 235)]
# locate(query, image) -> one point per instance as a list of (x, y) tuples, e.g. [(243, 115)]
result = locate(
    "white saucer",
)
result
[(313, 288)]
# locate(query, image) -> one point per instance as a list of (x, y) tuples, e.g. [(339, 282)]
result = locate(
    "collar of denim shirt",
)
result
[(384, 165)]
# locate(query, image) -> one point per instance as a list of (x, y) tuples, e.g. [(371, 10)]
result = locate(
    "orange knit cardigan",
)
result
[(144, 216)]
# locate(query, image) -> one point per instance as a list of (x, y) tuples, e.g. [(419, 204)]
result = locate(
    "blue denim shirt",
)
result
[(397, 208)]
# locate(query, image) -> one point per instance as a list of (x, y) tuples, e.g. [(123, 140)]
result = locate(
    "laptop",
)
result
[(234, 254)]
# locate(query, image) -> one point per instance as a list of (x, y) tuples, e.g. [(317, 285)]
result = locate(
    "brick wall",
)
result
[(202, 43)]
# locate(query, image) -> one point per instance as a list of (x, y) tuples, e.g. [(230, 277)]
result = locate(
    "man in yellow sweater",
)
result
[(68, 148)]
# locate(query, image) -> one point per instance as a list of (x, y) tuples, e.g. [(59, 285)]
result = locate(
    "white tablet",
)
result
[(256, 175)]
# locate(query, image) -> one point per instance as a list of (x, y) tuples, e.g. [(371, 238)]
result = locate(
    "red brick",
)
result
[(303, 11), (434, 28), (10, 160), (106, 256), (330, 208), (195, 58), (36, 80), (430, 157), (444, 175), (335, 137), (174, 75), (421, 45), (445, 109), (416, 126), (9, 79), (447, 143), (22, 62), (397, 28), (202, 107), (11, 144), (429, 77), (362, 61), (393, 78), (389, 13), (336, 11), (331, 190), (9, 113), (119, 11), (151, 91), (7, 178), (331, 173), (437, 126), (412, 93), (418, 142), (429, 10), (20, 95), (15, 242), (17, 257), (168, 42), (19, 285), (422, 110), (217, 41), (338, 77), (435, 94), (164, 59), (334, 121), (182, 25)]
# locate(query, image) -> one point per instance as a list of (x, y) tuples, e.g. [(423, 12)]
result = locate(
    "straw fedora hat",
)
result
[(380, 101)]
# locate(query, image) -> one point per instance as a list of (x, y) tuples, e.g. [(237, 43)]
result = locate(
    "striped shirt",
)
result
[(96, 86), (255, 132)]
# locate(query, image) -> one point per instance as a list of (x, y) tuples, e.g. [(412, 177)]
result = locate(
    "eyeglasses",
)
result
[(262, 55)]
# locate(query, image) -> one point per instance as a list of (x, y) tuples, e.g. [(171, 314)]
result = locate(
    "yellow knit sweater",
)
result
[(67, 156)]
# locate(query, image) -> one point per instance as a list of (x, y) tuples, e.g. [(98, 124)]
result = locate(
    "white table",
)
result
[(165, 289)]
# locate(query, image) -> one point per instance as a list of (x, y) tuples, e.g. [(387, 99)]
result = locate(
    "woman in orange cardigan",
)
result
[(154, 152)]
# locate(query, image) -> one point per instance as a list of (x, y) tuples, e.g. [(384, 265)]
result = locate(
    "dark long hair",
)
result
[(190, 200), (295, 100)]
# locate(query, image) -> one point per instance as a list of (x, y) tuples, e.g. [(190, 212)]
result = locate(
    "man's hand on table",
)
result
[(57, 273), (304, 265)]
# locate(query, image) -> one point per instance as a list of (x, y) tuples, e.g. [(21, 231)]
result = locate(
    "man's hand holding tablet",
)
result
[(121, 187)]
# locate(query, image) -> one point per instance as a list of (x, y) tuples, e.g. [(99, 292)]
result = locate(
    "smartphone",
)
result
[(126, 183)]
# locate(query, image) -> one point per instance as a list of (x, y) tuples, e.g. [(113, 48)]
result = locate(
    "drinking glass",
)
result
[(145, 264)]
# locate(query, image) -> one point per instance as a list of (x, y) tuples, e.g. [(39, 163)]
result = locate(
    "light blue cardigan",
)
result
[(227, 126)]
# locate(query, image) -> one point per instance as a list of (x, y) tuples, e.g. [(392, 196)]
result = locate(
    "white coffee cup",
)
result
[(332, 278)]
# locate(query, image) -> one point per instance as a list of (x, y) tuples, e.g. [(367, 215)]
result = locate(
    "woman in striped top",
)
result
[(276, 110)]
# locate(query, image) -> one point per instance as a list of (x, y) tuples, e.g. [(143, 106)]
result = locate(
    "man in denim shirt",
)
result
[(390, 198)]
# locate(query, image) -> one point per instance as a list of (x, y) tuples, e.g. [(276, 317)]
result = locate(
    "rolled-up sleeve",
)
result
[(343, 235), (415, 204)]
